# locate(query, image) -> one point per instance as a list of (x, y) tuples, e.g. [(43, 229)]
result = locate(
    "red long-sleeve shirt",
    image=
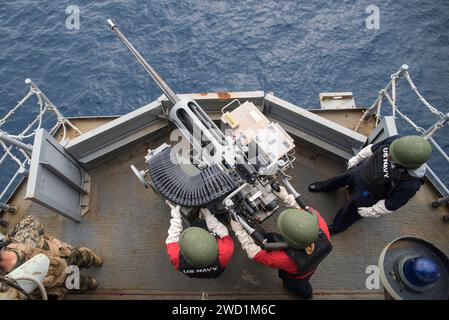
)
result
[(225, 251), (280, 260)]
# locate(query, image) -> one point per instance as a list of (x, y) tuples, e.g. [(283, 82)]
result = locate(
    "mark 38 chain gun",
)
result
[(231, 169)]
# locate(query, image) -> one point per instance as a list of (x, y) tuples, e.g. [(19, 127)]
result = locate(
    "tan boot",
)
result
[(91, 284), (86, 284), (95, 259)]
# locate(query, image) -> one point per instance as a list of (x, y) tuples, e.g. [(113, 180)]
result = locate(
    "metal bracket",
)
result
[(56, 180), (140, 174)]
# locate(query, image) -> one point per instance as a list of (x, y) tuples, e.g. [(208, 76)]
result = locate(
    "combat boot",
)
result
[(316, 187), (89, 284), (91, 258), (86, 284)]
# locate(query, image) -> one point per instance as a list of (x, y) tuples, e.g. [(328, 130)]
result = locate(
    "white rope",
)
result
[(26, 155), (13, 110), (44, 106), (379, 107), (392, 100), (63, 120), (55, 127), (423, 100), (393, 94), (23, 134), (407, 119), (10, 154)]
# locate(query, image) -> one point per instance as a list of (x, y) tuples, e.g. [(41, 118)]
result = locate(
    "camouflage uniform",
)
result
[(29, 231), (28, 239)]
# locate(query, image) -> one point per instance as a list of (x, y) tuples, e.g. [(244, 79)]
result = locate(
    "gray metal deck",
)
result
[(127, 225)]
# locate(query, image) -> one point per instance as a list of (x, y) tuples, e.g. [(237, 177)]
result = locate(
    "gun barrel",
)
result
[(171, 95)]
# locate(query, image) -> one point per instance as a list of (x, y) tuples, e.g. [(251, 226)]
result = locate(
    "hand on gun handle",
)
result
[(175, 211), (282, 193)]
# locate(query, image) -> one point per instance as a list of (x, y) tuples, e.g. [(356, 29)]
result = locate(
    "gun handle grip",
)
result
[(259, 237), (301, 203), (275, 186)]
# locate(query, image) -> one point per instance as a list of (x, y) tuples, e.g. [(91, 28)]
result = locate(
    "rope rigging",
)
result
[(15, 145), (376, 107)]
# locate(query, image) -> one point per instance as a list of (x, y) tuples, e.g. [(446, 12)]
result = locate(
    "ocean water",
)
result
[(296, 49)]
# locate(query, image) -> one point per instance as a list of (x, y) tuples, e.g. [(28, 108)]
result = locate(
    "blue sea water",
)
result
[(296, 49)]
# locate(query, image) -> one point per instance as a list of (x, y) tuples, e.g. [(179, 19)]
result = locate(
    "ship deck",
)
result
[(127, 225)]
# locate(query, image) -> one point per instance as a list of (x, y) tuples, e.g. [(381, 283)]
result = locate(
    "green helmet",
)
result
[(198, 247), (410, 151), (298, 227)]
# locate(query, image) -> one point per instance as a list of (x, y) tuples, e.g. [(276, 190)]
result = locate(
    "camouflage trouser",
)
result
[(29, 231), (83, 258), (29, 237)]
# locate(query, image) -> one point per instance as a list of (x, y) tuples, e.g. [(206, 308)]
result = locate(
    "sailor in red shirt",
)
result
[(309, 243), (196, 252)]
